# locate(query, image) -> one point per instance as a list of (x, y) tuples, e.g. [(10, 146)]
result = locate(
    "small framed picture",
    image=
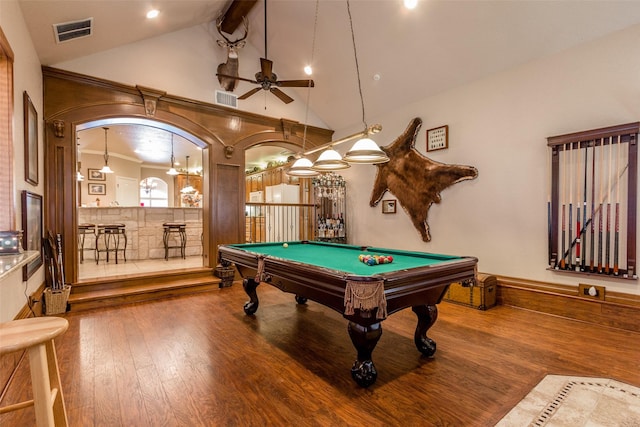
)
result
[(32, 230), (30, 141), (96, 175), (438, 138), (389, 206), (99, 189)]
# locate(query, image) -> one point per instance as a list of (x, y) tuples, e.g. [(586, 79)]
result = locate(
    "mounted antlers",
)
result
[(229, 69)]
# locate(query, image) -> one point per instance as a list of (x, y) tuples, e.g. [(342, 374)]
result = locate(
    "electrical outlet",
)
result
[(591, 291)]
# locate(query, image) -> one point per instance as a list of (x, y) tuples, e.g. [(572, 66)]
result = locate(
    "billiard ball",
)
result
[(285, 245)]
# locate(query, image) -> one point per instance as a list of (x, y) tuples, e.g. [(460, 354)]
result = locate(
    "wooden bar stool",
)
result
[(36, 335)]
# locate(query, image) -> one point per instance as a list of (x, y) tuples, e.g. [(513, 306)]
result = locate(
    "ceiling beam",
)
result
[(237, 10)]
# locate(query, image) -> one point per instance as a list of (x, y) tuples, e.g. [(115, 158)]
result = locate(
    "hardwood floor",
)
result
[(200, 361)]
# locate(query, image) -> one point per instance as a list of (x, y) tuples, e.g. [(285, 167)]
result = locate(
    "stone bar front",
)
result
[(144, 228)]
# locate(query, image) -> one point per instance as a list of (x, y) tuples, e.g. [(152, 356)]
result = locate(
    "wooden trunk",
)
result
[(481, 295)]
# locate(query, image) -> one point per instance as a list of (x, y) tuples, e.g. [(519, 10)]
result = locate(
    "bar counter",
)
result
[(144, 228)]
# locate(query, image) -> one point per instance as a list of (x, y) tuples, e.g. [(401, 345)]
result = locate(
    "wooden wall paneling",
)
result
[(618, 310), (228, 220), (60, 190), (74, 99)]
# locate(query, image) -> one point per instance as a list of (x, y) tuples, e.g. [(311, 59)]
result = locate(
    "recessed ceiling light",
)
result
[(153, 13), (308, 70), (410, 4)]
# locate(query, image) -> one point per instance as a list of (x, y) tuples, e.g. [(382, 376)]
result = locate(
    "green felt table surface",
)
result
[(344, 257)]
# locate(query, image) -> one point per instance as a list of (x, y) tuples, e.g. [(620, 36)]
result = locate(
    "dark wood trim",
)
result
[(618, 310), (237, 10), (71, 100), (632, 197), (625, 133), (589, 135)]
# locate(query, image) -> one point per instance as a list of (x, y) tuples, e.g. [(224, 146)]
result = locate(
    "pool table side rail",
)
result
[(404, 288)]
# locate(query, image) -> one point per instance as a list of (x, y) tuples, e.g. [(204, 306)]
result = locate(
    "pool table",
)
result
[(333, 275)]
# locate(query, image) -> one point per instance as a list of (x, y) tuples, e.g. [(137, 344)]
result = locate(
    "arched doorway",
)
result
[(73, 100), (140, 152)]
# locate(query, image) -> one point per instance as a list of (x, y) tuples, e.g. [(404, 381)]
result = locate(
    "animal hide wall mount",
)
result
[(415, 179)]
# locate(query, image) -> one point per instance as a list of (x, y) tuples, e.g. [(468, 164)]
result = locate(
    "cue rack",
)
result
[(593, 200)]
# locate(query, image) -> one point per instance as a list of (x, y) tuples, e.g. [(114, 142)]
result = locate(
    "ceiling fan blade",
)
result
[(251, 92), (280, 94), (295, 83), (236, 78), (266, 66)]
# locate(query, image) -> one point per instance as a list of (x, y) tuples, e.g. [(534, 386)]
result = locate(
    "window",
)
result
[(154, 192), (7, 211)]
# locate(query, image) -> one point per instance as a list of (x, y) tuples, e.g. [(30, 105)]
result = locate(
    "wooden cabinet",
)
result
[(257, 181)]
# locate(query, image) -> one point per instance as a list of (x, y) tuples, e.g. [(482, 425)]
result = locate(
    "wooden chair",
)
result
[(36, 336)]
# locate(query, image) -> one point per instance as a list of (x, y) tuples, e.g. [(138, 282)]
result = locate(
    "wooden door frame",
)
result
[(72, 100)]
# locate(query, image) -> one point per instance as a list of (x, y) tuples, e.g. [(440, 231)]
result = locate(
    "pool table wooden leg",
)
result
[(364, 339), (427, 315), (251, 306)]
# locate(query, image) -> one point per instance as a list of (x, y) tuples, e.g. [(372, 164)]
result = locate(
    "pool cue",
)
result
[(564, 204), (593, 204), (617, 225), (599, 210), (608, 236), (578, 236), (60, 262), (570, 213), (583, 236)]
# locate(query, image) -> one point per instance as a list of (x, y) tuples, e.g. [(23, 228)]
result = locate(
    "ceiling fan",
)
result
[(266, 78)]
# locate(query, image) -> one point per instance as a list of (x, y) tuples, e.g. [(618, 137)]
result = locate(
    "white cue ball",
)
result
[(285, 245)]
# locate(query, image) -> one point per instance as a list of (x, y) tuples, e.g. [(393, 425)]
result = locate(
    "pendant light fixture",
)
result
[(148, 184), (173, 170), (365, 150), (330, 160), (188, 188), (302, 166), (106, 168)]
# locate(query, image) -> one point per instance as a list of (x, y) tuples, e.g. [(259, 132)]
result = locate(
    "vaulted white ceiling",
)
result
[(403, 55)]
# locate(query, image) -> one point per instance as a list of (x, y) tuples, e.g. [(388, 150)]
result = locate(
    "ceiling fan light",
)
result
[(366, 151), (302, 167), (330, 160)]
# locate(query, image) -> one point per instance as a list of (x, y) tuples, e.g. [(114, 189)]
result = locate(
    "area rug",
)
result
[(561, 401)]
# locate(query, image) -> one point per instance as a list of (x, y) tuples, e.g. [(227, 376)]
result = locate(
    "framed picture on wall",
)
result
[(30, 140), (96, 175), (438, 138), (99, 189), (389, 206), (32, 230)]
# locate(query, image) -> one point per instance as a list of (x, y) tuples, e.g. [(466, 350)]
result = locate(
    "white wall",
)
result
[(163, 63), (500, 126), (27, 76)]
